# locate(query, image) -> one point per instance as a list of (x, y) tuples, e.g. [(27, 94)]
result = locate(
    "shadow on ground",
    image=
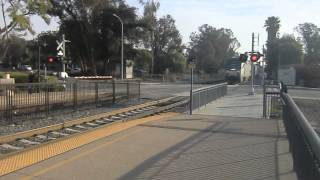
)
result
[(231, 149)]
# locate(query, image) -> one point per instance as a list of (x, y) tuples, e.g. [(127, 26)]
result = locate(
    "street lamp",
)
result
[(39, 58), (122, 72)]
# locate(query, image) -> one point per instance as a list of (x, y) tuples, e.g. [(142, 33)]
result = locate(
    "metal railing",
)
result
[(206, 95), (304, 141), (272, 106), (20, 102)]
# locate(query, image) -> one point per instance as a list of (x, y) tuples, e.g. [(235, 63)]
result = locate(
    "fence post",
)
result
[(113, 91), (139, 90), (9, 103), (75, 95), (264, 102), (128, 90), (96, 93), (47, 89)]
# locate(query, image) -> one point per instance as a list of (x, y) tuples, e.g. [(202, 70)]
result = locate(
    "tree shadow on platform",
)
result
[(202, 157)]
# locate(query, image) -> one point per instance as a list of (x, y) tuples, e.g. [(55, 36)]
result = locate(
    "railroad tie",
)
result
[(28, 142), (9, 146)]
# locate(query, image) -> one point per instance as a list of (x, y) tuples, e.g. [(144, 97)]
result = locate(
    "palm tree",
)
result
[(272, 26)]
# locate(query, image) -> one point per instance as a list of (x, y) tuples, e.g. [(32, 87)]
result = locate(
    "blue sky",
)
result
[(242, 16)]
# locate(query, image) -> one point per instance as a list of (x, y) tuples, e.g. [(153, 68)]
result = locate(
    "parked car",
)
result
[(75, 70), (26, 68)]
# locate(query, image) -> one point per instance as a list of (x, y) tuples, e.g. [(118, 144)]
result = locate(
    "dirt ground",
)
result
[(311, 110)]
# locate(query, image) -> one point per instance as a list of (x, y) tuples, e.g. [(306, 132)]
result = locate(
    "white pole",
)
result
[(122, 71), (122, 40)]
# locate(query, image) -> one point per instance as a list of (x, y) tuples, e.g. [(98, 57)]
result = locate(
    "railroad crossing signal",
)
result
[(243, 58), (255, 57), (62, 51), (50, 59)]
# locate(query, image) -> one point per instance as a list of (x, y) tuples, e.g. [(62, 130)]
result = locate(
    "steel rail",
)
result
[(26, 134)]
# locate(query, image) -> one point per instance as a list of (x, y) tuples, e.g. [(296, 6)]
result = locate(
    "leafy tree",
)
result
[(150, 20), (16, 16), (272, 25), (15, 50), (17, 13), (290, 50), (311, 37), (95, 33), (210, 46), (168, 46), (143, 60)]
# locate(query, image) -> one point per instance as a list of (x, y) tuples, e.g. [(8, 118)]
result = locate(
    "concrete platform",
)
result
[(182, 147), (218, 143), (237, 103)]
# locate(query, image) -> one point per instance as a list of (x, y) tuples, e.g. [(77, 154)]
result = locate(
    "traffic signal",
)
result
[(255, 57), (50, 59), (243, 58)]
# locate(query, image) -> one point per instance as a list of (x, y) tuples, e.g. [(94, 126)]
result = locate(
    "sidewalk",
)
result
[(236, 104)]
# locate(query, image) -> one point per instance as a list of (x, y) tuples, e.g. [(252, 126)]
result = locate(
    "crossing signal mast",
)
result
[(62, 51), (254, 57)]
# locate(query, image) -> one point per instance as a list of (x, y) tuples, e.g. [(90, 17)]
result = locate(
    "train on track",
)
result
[(232, 68)]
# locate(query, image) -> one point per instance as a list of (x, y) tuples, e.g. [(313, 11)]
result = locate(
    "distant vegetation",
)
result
[(302, 52), (153, 43)]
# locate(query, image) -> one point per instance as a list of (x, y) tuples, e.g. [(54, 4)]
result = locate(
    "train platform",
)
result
[(208, 145)]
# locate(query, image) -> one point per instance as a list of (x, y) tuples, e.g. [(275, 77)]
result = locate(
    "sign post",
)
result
[(62, 51), (192, 65)]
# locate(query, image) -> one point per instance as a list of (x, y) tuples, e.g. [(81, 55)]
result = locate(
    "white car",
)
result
[(26, 67)]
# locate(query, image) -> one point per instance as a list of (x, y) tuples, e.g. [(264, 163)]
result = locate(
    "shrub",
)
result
[(310, 75)]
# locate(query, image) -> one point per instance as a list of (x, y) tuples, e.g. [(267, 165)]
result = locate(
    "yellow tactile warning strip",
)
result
[(33, 156)]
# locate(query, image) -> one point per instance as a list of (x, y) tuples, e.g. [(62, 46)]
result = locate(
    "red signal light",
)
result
[(254, 57), (243, 58), (50, 59)]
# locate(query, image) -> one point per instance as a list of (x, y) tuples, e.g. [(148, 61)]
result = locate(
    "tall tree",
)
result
[(211, 46), (272, 25), (150, 19), (16, 14), (168, 46), (310, 34), (16, 17), (290, 51), (16, 48), (95, 33)]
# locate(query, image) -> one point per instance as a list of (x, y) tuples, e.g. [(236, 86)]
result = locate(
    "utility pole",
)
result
[(251, 92)]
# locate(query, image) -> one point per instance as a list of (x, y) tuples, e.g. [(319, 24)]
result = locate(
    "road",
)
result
[(162, 90)]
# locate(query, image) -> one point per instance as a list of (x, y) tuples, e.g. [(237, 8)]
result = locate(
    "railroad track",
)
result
[(16, 143)]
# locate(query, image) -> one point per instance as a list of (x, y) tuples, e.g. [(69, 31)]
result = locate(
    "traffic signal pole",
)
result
[(251, 92)]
